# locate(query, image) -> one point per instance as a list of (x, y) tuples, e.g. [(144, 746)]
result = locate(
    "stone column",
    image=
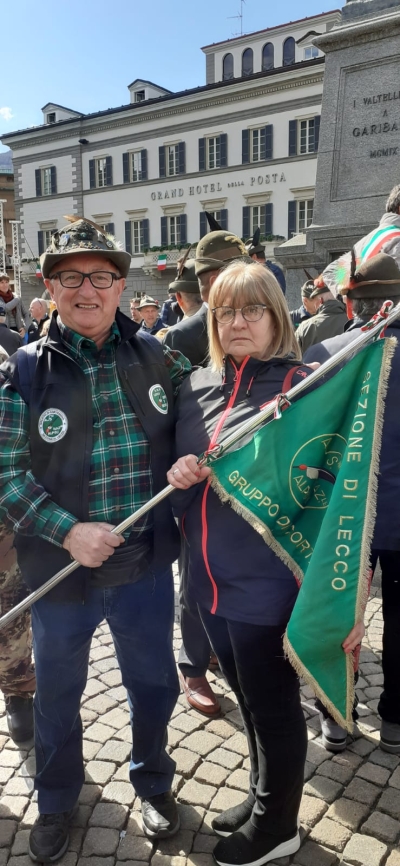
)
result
[(359, 146)]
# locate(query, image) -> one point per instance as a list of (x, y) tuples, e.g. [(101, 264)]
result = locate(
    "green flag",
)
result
[(307, 483)]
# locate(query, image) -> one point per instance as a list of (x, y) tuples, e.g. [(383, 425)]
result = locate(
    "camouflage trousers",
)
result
[(17, 675)]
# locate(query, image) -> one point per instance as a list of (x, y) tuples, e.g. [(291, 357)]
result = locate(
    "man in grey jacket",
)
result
[(328, 320), (17, 317)]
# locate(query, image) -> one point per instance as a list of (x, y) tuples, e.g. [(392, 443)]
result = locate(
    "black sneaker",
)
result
[(49, 837), (233, 819), (160, 818), (20, 718), (252, 847)]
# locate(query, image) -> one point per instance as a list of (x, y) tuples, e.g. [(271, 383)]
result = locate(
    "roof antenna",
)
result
[(239, 17)]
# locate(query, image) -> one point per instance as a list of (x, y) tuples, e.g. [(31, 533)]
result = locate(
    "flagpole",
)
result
[(246, 428)]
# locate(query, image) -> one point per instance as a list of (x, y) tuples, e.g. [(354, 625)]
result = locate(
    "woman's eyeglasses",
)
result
[(250, 312)]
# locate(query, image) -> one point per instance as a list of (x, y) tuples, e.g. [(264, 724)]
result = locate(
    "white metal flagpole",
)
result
[(2, 238), (16, 257)]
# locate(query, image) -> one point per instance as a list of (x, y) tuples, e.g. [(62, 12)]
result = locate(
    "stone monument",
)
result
[(359, 146)]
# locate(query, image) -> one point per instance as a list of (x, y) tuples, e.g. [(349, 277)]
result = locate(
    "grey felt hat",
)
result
[(186, 281), (83, 236), (148, 302)]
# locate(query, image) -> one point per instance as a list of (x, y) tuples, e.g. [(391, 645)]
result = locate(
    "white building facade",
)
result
[(243, 147)]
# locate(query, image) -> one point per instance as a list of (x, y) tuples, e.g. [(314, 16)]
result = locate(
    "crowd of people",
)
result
[(97, 412)]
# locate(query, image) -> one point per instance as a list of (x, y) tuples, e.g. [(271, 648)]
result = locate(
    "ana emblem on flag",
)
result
[(314, 468), (162, 262), (52, 425), (159, 398)]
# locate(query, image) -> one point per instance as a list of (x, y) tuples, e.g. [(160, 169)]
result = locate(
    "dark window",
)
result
[(46, 181), (288, 51), (51, 118), (140, 96), (247, 62), (136, 236), (227, 67), (268, 57)]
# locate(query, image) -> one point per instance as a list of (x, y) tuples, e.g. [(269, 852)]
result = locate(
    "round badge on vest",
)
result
[(159, 398), (53, 425)]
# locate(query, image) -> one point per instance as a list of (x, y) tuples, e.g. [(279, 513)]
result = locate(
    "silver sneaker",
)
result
[(334, 738), (390, 737)]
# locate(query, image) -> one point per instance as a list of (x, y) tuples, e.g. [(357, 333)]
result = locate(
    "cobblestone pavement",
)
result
[(350, 812)]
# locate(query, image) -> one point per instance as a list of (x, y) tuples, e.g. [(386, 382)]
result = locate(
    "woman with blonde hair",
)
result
[(244, 593)]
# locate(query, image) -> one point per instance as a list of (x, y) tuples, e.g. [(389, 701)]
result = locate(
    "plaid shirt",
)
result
[(120, 475)]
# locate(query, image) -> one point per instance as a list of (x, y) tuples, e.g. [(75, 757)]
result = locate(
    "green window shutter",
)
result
[(245, 146), (125, 167), (92, 174), (182, 157), (224, 219), (269, 129), (53, 175), (202, 155), (161, 161), (292, 137), (109, 171), (292, 212), (164, 231), (203, 224), (40, 242), (317, 122), (268, 218), (144, 164), (128, 236), (146, 233), (182, 223), (38, 181), (110, 228), (223, 150), (246, 221)]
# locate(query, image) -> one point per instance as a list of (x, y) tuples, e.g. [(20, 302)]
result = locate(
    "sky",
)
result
[(83, 55)]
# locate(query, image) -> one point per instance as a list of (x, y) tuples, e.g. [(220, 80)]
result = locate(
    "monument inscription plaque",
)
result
[(367, 139)]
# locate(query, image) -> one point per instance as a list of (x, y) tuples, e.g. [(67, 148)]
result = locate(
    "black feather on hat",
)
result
[(212, 222), (253, 245), (377, 277)]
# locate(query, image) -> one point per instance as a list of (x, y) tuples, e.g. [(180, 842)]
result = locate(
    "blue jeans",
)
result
[(140, 617)]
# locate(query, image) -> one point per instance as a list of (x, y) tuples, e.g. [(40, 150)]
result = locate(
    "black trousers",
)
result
[(389, 704), (267, 689)]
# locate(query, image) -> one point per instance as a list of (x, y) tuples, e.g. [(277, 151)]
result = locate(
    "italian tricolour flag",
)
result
[(162, 262), (38, 272)]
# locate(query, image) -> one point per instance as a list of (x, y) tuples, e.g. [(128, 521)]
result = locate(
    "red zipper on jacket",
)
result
[(204, 527)]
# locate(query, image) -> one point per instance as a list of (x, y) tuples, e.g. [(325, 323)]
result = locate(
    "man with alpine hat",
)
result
[(307, 307), (377, 280), (256, 251), (189, 336), (214, 251), (149, 309), (90, 410), (328, 316)]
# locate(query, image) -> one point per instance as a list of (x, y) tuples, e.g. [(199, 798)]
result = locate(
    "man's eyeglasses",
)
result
[(74, 279), (251, 313)]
